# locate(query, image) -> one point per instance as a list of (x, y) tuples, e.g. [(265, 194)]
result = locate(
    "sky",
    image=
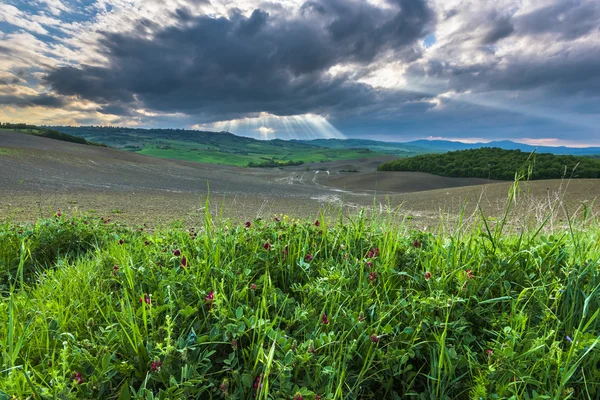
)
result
[(394, 70)]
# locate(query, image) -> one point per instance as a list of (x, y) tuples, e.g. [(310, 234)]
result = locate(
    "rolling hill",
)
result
[(213, 147)]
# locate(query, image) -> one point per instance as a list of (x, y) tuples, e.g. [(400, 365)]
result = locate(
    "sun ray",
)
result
[(269, 126)]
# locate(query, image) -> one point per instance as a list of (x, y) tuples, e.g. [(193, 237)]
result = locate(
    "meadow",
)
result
[(362, 307)]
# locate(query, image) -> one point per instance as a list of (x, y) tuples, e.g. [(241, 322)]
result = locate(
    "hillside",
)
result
[(394, 148), (213, 147), (498, 164), (46, 133)]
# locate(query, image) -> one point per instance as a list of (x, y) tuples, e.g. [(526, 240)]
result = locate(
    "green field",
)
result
[(214, 147), (257, 154), (282, 309)]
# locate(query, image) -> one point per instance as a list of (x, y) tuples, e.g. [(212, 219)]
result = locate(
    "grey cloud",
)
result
[(569, 19), (241, 65), (42, 100), (501, 28)]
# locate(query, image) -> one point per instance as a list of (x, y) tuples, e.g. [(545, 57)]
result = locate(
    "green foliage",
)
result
[(495, 163), (237, 312), (272, 163)]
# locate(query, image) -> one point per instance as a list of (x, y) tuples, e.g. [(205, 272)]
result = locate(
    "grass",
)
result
[(282, 309), (257, 154)]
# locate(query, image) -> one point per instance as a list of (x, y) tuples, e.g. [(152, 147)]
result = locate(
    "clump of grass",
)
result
[(286, 309)]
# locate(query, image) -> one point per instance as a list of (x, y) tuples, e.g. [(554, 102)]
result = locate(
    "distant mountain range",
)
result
[(442, 146)]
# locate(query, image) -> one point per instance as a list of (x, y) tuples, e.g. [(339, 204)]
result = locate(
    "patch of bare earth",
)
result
[(39, 176)]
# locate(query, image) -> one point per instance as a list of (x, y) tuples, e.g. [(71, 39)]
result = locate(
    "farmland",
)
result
[(128, 276), (213, 147)]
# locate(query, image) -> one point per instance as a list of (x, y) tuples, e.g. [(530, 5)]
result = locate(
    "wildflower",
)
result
[(277, 219), (248, 224), (257, 382), (210, 296), (252, 286), (59, 214), (78, 377), (146, 299), (317, 397), (324, 319), (374, 338), (115, 270), (370, 264), (317, 223), (308, 257), (176, 252), (155, 366), (489, 352), (417, 244), (469, 274), (298, 396), (267, 246), (376, 251), (370, 254), (121, 241), (184, 262), (569, 339), (427, 275), (372, 276)]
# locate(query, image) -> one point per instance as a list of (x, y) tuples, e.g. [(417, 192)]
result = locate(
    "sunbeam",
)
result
[(269, 126)]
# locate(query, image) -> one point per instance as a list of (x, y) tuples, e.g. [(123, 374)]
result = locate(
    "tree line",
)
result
[(47, 133), (498, 164)]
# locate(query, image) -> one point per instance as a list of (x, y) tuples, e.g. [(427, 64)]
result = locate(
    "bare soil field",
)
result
[(39, 176)]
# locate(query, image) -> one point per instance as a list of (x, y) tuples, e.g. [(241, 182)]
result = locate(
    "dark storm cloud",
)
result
[(30, 101), (243, 65)]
